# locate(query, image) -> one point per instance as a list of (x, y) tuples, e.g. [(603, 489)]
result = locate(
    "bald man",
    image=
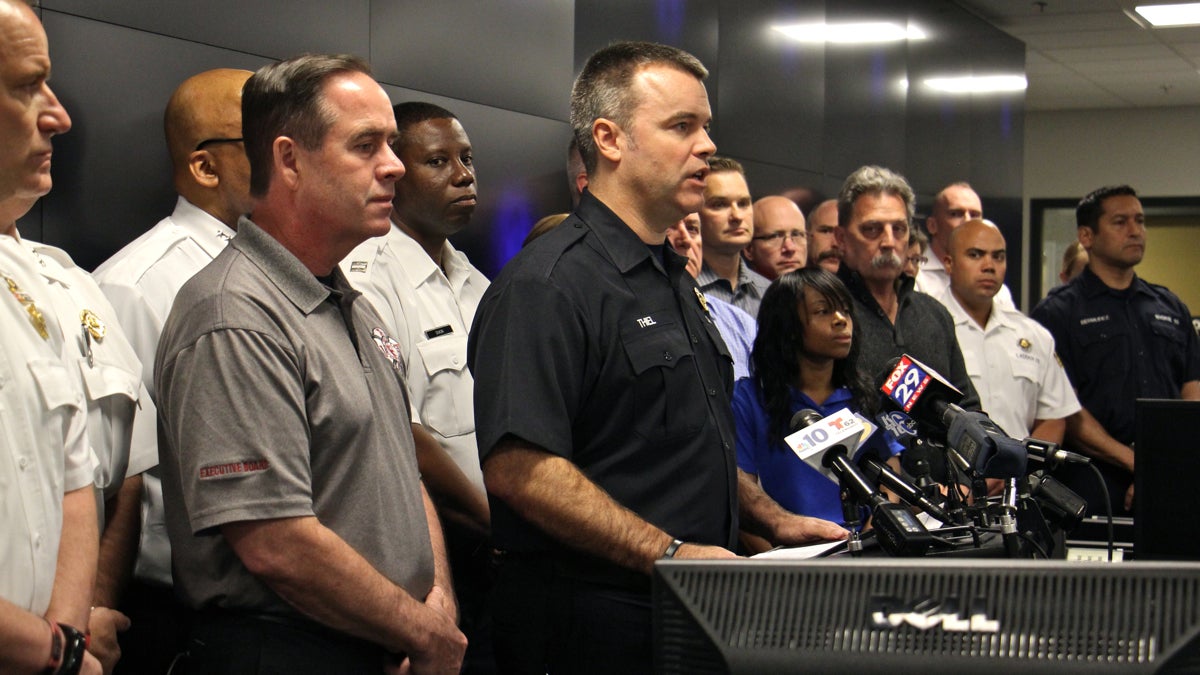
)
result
[(1010, 357), (203, 126), (823, 248), (954, 205), (780, 242)]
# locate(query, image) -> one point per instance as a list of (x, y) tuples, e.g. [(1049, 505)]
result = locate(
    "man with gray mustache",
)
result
[(875, 211)]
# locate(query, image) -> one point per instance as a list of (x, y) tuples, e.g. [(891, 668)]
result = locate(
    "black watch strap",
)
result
[(74, 647)]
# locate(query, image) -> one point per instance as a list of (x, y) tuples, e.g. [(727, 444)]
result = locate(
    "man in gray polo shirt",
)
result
[(299, 528)]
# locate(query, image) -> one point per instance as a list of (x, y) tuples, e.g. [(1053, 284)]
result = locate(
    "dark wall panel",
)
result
[(513, 55), (864, 94), (112, 175), (772, 99), (998, 131), (797, 116), (688, 24), (273, 28), (954, 137), (939, 149), (770, 179)]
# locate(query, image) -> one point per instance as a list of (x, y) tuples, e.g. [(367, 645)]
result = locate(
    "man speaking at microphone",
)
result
[(602, 387)]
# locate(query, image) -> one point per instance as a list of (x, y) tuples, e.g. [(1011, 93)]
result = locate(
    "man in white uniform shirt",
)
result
[(203, 126), (1009, 356), (48, 526), (98, 356), (954, 205)]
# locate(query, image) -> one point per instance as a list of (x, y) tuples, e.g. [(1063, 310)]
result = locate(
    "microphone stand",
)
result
[(851, 513), (1008, 519)]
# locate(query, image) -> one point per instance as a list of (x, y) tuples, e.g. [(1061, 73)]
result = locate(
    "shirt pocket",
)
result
[(111, 392), (58, 393), (103, 380), (1029, 369), (1104, 351), (447, 406), (1028, 374), (1169, 343), (55, 385), (666, 398)]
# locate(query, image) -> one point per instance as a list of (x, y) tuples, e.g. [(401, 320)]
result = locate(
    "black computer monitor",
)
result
[(1166, 512), (926, 616)]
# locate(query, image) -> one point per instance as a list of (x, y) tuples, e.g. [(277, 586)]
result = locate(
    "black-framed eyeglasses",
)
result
[(213, 141)]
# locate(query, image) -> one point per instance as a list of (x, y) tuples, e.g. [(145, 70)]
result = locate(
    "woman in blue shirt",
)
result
[(804, 357)]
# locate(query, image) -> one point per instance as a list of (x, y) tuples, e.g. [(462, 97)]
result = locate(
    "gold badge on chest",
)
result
[(92, 324), (35, 314), (703, 300)]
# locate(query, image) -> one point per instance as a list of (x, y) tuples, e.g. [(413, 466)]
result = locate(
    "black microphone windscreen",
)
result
[(884, 374), (803, 418)]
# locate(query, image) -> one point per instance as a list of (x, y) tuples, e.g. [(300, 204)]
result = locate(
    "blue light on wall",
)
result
[(670, 17), (515, 214)]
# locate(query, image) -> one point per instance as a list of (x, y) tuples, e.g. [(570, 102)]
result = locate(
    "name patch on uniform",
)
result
[(233, 469), (438, 332), (1093, 319), (646, 322), (1167, 318), (358, 266)]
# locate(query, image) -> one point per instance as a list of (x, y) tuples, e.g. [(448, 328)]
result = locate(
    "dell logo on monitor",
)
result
[(925, 613)]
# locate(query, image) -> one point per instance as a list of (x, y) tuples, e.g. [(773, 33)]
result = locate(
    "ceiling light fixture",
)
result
[(850, 33), (1161, 16), (977, 84)]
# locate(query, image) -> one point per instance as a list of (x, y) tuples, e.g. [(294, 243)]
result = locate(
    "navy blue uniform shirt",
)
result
[(589, 347), (1120, 345)]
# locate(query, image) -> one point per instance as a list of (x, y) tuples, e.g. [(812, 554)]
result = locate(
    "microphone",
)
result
[(985, 447), (879, 472), (928, 398), (811, 435), (918, 390), (898, 530), (1059, 503), (1051, 455), (900, 426), (919, 459)]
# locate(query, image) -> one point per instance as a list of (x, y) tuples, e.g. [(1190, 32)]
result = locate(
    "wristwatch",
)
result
[(670, 552), (75, 644)]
